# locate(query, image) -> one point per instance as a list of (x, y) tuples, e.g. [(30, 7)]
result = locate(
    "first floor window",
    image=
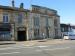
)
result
[(5, 18), (36, 21), (55, 22), (20, 17)]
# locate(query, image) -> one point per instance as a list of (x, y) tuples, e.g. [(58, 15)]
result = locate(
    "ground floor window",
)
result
[(56, 33), (47, 32), (36, 33), (5, 35), (5, 32)]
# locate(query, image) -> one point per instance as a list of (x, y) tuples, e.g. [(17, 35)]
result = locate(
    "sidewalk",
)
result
[(43, 42), (7, 42), (36, 42)]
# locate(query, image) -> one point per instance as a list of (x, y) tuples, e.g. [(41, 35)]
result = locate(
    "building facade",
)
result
[(44, 23), (22, 24), (67, 28)]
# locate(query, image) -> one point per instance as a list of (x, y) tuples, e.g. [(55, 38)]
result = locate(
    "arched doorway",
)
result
[(21, 34)]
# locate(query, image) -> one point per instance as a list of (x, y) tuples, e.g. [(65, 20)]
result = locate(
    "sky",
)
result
[(65, 8)]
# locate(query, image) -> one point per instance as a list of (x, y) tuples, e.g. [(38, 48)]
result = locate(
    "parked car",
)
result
[(69, 36)]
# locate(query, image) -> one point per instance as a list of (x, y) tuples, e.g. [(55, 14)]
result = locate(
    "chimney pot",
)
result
[(22, 5), (13, 3)]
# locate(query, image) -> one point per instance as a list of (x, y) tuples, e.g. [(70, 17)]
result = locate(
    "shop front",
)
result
[(5, 32)]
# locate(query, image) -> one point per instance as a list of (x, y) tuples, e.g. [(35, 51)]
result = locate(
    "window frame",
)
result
[(36, 21), (20, 18), (5, 18)]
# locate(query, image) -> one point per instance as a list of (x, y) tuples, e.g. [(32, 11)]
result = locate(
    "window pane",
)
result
[(36, 21), (20, 18), (5, 18), (55, 22), (36, 32), (47, 22)]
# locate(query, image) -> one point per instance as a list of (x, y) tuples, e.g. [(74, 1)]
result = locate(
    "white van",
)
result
[(70, 36)]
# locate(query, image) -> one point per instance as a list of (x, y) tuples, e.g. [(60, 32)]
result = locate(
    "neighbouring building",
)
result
[(23, 24), (65, 29), (73, 29), (45, 23)]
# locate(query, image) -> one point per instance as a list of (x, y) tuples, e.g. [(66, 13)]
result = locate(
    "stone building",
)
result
[(22, 24), (13, 23), (44, 23)]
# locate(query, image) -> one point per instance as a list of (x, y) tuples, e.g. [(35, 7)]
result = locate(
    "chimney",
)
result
[(13, 5), (22, 5)]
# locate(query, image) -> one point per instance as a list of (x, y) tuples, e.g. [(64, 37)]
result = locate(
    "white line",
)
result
[(9, 53), (52, 49), (8, 48), (42, 46), (57, 48)]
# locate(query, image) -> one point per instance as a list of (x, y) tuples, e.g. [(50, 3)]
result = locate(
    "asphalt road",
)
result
[(67, 49)]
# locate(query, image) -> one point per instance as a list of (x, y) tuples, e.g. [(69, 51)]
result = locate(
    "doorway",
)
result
[(22, 36)]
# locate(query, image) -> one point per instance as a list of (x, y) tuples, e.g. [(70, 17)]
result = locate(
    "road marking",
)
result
[(57, 48), (22, 47), (8, 48), (17, 47), (9, 53), (42, 46), (51, 49)]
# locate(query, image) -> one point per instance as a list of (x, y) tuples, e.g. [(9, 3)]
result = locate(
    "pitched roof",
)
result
[(44, 7), (12, 8)]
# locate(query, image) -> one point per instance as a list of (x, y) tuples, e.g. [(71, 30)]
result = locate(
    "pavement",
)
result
[(43, 42), (36, 42)]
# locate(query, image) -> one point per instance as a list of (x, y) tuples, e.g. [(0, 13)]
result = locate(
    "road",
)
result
[(67, 49)]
